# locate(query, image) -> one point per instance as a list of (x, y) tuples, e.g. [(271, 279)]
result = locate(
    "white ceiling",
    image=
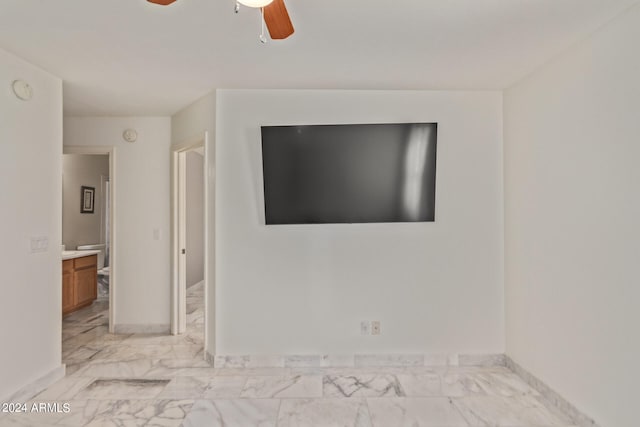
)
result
[(129, 57)]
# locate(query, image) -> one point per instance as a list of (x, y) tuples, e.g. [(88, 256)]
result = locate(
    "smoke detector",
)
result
[(130, 135), (22, 90)]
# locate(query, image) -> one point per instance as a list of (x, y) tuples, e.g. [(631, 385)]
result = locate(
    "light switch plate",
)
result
[(39, 244)]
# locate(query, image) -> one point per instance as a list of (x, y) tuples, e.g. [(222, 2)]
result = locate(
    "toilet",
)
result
[(103, 271)]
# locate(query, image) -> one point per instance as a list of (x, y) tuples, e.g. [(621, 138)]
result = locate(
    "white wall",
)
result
[(187, 126), (31, 189), (82, 170), (572, 205), (435, 287), (142, 205), (195, 218), (191, 122)]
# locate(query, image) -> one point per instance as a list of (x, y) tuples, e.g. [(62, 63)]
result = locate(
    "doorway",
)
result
[(92, 229), (189, 210)]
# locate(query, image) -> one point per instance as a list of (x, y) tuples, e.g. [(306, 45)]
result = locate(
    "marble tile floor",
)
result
[(160, 380)]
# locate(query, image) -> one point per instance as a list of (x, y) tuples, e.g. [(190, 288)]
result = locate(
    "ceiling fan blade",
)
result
[(277, 19), (161, 2)]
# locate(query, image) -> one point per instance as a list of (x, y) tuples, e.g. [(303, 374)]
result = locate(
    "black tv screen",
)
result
[(361, 173)]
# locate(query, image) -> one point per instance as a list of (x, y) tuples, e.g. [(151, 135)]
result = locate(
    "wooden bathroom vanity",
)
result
[(79, 280)]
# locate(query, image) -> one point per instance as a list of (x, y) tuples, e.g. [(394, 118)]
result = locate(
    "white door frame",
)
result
[(178, 232), (113, 257)]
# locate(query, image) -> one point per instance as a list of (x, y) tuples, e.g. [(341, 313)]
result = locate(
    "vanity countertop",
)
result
[(78, 254)]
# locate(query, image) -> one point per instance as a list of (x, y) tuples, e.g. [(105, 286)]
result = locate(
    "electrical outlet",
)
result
[(375, 327), (365, 327)]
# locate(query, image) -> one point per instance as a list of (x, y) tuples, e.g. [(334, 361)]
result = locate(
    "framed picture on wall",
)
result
[(87, 197)]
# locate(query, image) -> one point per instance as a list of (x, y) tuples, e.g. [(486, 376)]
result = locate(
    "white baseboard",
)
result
[(141, 329), (353, 360), (399, 360), (551, 396), (36, 387), (210, 358)]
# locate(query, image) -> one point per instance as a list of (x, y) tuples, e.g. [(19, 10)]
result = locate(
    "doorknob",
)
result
[(184, 251)]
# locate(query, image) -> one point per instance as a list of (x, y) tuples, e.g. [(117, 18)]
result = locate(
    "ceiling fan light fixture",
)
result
[(255, 3)]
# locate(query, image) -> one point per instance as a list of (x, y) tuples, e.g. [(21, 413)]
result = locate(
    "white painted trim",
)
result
[(209, 280), (175, 311), (113, 258), (178, 295), (32, 389), (190, 143)]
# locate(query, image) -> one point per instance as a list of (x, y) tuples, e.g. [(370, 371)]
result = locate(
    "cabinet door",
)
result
[(86, 285), (67, 292)]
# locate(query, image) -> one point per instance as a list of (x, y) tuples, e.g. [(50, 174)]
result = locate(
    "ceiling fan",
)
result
[(274, 13)]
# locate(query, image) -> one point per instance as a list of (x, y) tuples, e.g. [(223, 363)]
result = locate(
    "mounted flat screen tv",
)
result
[(360, 173)]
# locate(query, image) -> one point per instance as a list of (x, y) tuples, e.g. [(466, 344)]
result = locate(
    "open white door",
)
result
[(182, 241), (182, 207)]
